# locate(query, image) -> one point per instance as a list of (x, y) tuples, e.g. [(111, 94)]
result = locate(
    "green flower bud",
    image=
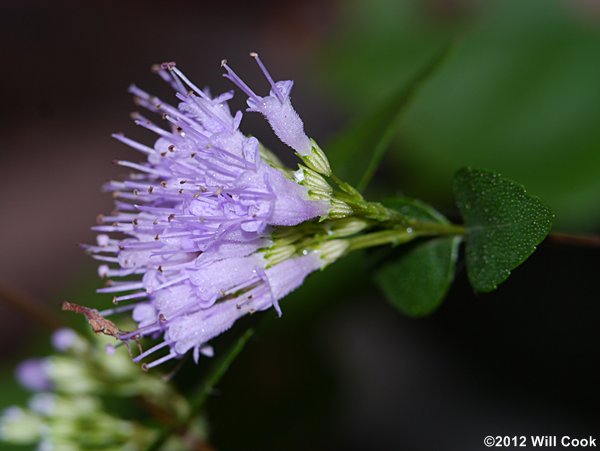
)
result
[(339, 209), (346, 227), (20, 426), (331, 250), (318, 188), (317, 160)]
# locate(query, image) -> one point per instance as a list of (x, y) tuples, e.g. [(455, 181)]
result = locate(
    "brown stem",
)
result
[(29, 307), (569, 239)]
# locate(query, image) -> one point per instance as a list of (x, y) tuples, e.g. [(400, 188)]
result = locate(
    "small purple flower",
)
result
[(193, 222), (63, 339), (192, 327), (276, 107), (33, 374)]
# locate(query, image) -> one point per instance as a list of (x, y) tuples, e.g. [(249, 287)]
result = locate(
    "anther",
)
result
[(268, 76), (168, 65)]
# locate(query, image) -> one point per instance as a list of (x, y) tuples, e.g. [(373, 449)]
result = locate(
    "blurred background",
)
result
[(520, 94)]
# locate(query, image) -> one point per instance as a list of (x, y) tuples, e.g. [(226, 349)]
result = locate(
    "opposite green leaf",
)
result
[(504, 225), (415, 209), (417, 282)]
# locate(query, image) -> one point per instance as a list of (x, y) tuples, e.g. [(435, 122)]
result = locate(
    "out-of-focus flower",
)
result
[(196, 223), (64, 339), (33, 374), (68, 411)]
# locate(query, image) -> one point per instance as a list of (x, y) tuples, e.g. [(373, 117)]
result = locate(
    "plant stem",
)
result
[(394, 237), (401, 101), (30, 307), (434, 228), (202, 395), (403, 235), (204, 391), (570, 239)]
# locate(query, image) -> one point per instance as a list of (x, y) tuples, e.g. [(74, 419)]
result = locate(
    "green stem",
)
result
[(434, 228), (401, 102), (202, 395), (199, 399), (378, 212), (394, 237), (403, 235)]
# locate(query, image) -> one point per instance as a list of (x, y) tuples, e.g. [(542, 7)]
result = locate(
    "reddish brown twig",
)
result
[(100, 325), (569, 239)]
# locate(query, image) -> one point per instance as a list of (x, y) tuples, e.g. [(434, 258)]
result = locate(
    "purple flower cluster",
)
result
[(192, 222)]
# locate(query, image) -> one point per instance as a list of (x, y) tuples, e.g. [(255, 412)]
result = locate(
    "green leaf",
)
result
[(504, 225), (369, 139), (417, 282), (519, 91), (415, 209)]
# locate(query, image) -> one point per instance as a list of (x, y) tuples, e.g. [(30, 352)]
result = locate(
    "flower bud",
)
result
[(317, 160)]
